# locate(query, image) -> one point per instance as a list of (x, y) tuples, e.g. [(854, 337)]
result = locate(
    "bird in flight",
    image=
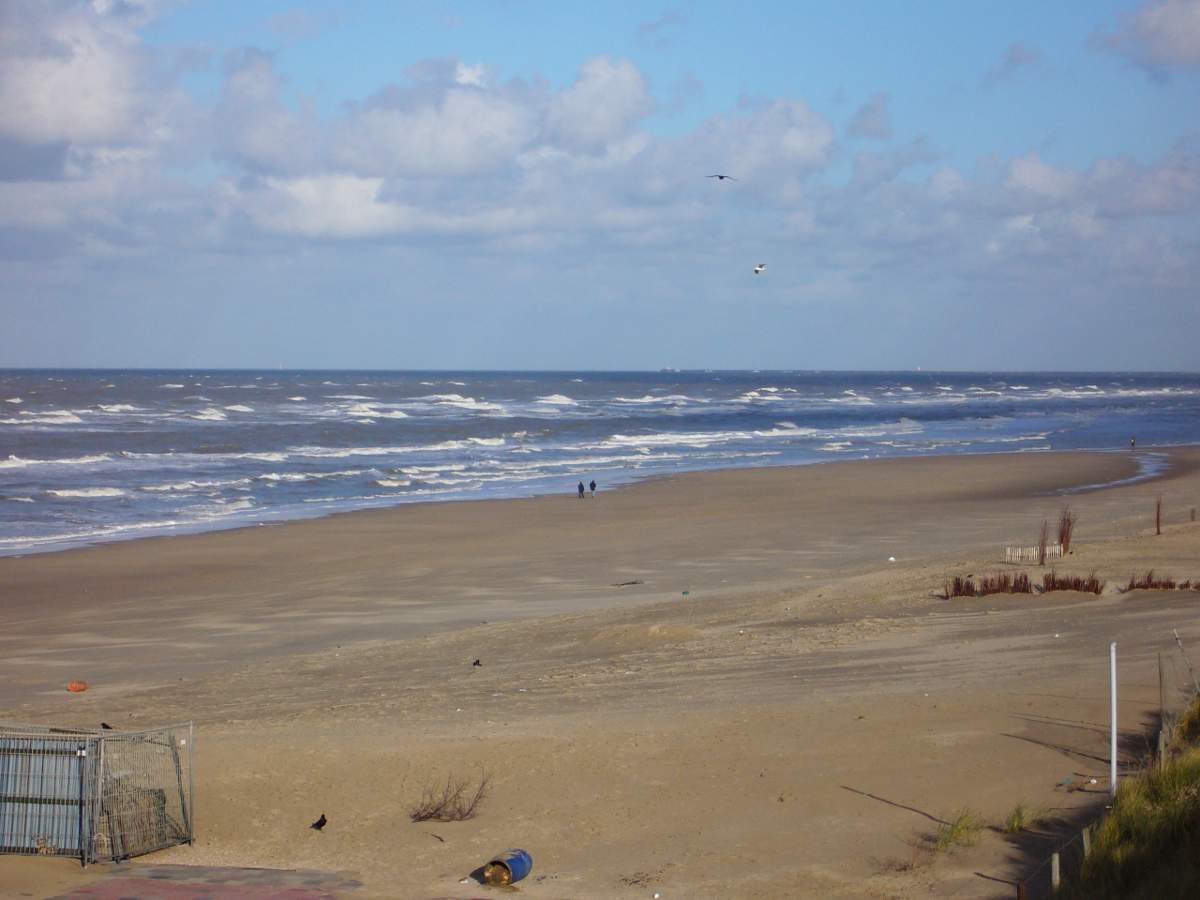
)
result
[(320, 823), (722, 177), (760, 268)]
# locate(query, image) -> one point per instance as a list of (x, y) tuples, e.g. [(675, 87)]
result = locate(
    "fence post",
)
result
[(1112, 657), (1055, 872), (1086, 836)]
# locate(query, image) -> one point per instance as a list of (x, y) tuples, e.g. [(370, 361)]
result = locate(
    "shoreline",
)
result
[(1144, 472), (187, 604)]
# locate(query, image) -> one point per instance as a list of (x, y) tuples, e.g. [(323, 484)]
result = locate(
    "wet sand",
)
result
[(784, 728)]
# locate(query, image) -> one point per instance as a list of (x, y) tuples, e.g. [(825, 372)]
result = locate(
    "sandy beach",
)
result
[(705, 685)]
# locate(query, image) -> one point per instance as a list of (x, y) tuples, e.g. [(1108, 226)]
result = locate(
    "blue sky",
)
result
[(522, 185)]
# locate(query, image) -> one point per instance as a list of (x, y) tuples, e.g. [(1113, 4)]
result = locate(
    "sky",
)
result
[(524, 185)]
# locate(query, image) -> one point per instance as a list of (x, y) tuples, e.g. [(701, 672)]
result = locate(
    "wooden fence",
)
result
[(1026, 555)]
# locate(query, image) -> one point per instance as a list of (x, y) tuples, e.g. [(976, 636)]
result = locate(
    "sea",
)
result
[(93, 456)]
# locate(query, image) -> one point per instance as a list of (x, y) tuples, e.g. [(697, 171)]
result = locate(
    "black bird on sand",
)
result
[(106, 726), (722, 177), (320, 823), (477, 663)]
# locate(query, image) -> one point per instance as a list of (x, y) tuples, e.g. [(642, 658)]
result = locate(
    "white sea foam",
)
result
[(50, 417), (393, 482), (14, 400), (558, 400), (88, 492), (212, 414), (297, 399), (674, 438), (119, 408), (786, 429), (195, 485), (20, 499), (239, 408), (348, 397), (172, 387), (16, 462)]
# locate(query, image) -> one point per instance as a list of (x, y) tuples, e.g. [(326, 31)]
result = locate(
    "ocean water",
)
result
[(88, 456)]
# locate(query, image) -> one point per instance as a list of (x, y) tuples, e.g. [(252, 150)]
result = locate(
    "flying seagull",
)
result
[(722, 177), (760, 268), (320, 823)]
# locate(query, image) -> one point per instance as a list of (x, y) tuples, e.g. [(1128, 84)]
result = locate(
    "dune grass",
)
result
[(1024, 817), (1149, 845), (961, 831)]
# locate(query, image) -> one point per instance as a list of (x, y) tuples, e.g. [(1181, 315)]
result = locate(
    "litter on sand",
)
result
[(508, 867)]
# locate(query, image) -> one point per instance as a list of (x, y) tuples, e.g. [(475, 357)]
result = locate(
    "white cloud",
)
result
[(873, 120), (450, 131), (1161, 34), (347, 206), (1030, 174), (1017, 57), (606, 99), (68, 77)]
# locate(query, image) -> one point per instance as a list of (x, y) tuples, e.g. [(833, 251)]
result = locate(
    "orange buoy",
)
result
[(77, 687)]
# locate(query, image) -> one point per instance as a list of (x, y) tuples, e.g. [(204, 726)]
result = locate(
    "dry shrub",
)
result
[(960, 587), (1052, 581), (1066, 527), (1149, 583), (1004, 583), (454, 801)]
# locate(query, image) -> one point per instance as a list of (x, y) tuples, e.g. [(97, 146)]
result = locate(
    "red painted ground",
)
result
[(213, 883)]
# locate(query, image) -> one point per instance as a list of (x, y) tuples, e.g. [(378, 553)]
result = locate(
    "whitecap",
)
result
[(212, 414), (16, 462), (14, 400), (173, 387), (239, 408), (558, 400), (194, 485), (393, 482), (20, 499), (119, 408), (52, 417), (88, 492), (297, 399)]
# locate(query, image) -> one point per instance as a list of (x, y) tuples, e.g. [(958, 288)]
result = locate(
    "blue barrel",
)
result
[(508, 867)]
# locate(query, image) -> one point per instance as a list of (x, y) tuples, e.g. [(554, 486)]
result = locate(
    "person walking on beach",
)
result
[(581, 490), (1132, 442), (593, 487)]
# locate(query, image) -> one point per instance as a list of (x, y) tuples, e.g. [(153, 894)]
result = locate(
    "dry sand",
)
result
[(789, 727)]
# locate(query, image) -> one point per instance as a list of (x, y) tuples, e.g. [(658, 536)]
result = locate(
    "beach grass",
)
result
[(1149, 845), (961, 831)]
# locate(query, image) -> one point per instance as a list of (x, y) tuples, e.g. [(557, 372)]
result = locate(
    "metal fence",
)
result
[(94, 795)]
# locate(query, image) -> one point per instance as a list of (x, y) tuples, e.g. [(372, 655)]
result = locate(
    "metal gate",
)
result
[(94, 795)]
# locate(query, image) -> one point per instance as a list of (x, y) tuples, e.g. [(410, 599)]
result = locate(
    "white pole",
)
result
[(1112, 666)]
